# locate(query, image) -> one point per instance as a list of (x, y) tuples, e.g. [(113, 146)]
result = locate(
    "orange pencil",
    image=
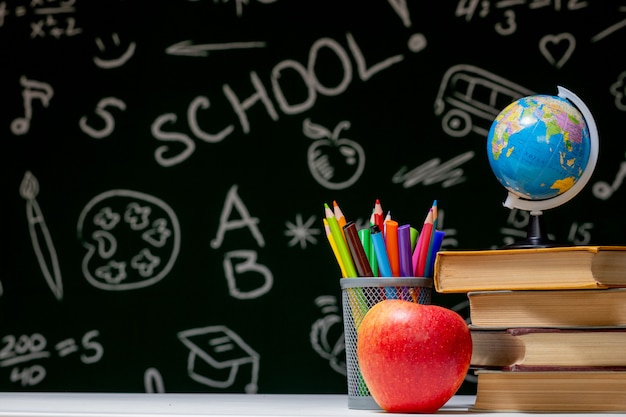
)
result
[(341, 219), (425, 243), (391, 242)]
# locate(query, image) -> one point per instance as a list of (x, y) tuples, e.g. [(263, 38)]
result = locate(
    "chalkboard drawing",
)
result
[(399, 6), (449, 173), (611, 29), (23, 353), (153, 381), (618, 90), (132, 240), (327, 338), (335, 163), (470, 98), (302, 232), (216, 356), (247, 279), (32, 90), (604, 190), (188, 48), (40, 236), (119, 55), (561, 45), (105, 115)]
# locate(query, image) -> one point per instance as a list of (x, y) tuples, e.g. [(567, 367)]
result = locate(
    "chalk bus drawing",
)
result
[(40, 236), (32, 90), (216, 355), (334, 162), (132, 240), (326, 335), (470, 98)]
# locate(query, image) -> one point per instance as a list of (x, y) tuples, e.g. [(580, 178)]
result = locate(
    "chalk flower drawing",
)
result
[(302, 232)]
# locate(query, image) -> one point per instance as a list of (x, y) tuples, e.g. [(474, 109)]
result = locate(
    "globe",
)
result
[(539, 146), (543, 150)]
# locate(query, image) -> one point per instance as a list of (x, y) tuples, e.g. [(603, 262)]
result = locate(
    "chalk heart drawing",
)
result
[(562, 44), (132, 240)]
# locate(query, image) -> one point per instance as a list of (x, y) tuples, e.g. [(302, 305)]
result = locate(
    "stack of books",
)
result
[(548, 325)]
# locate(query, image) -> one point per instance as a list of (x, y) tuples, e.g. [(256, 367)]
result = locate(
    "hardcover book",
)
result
[(572, 391), (559, 308), (523, 348), (564, 267)]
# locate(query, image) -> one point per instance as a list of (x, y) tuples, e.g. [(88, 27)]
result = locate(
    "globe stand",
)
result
[(536, 236)]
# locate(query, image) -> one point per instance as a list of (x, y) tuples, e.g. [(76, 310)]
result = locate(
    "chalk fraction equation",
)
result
[(42, 18), (25, 354)]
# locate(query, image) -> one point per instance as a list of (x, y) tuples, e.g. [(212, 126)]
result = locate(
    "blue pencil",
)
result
[(381, 256)]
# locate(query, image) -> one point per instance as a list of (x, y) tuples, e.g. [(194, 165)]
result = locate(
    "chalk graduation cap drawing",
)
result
[(216, 355)]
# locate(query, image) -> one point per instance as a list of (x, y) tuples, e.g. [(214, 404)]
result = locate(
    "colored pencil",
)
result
[(341, 219), (424, 244), (378, 216), (404, 250), (344, 253), (355, 246), (438, 236), (391, 244), (430, 255), (333, 246), (381, 251)]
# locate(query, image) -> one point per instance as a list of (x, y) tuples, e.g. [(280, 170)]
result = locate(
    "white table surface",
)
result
[(183, 405)]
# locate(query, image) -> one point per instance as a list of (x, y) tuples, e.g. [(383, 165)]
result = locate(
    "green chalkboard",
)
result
[(165, 166)]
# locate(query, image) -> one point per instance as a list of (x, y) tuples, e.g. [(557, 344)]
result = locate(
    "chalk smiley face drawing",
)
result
[(132, 240)]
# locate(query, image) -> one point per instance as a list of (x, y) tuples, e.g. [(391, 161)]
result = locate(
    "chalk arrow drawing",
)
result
[(187, 48)]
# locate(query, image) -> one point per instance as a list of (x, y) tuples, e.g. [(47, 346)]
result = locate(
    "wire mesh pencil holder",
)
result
[(358, 295)]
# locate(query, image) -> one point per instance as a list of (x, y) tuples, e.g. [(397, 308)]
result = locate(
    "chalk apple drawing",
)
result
[(413, 357), (336, 163)]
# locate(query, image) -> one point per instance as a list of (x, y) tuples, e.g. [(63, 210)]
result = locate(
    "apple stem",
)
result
[(344, 124)]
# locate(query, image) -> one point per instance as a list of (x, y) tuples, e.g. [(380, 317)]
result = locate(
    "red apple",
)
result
[(413, 357)]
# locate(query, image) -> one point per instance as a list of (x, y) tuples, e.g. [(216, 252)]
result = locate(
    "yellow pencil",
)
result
[(342, 247), (333, 246)]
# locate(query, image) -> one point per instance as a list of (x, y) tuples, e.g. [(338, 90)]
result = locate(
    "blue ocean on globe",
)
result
[(539, 146)]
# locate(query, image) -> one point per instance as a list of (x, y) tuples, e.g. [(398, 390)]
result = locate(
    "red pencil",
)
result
[(378, 216), (425, 236)]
